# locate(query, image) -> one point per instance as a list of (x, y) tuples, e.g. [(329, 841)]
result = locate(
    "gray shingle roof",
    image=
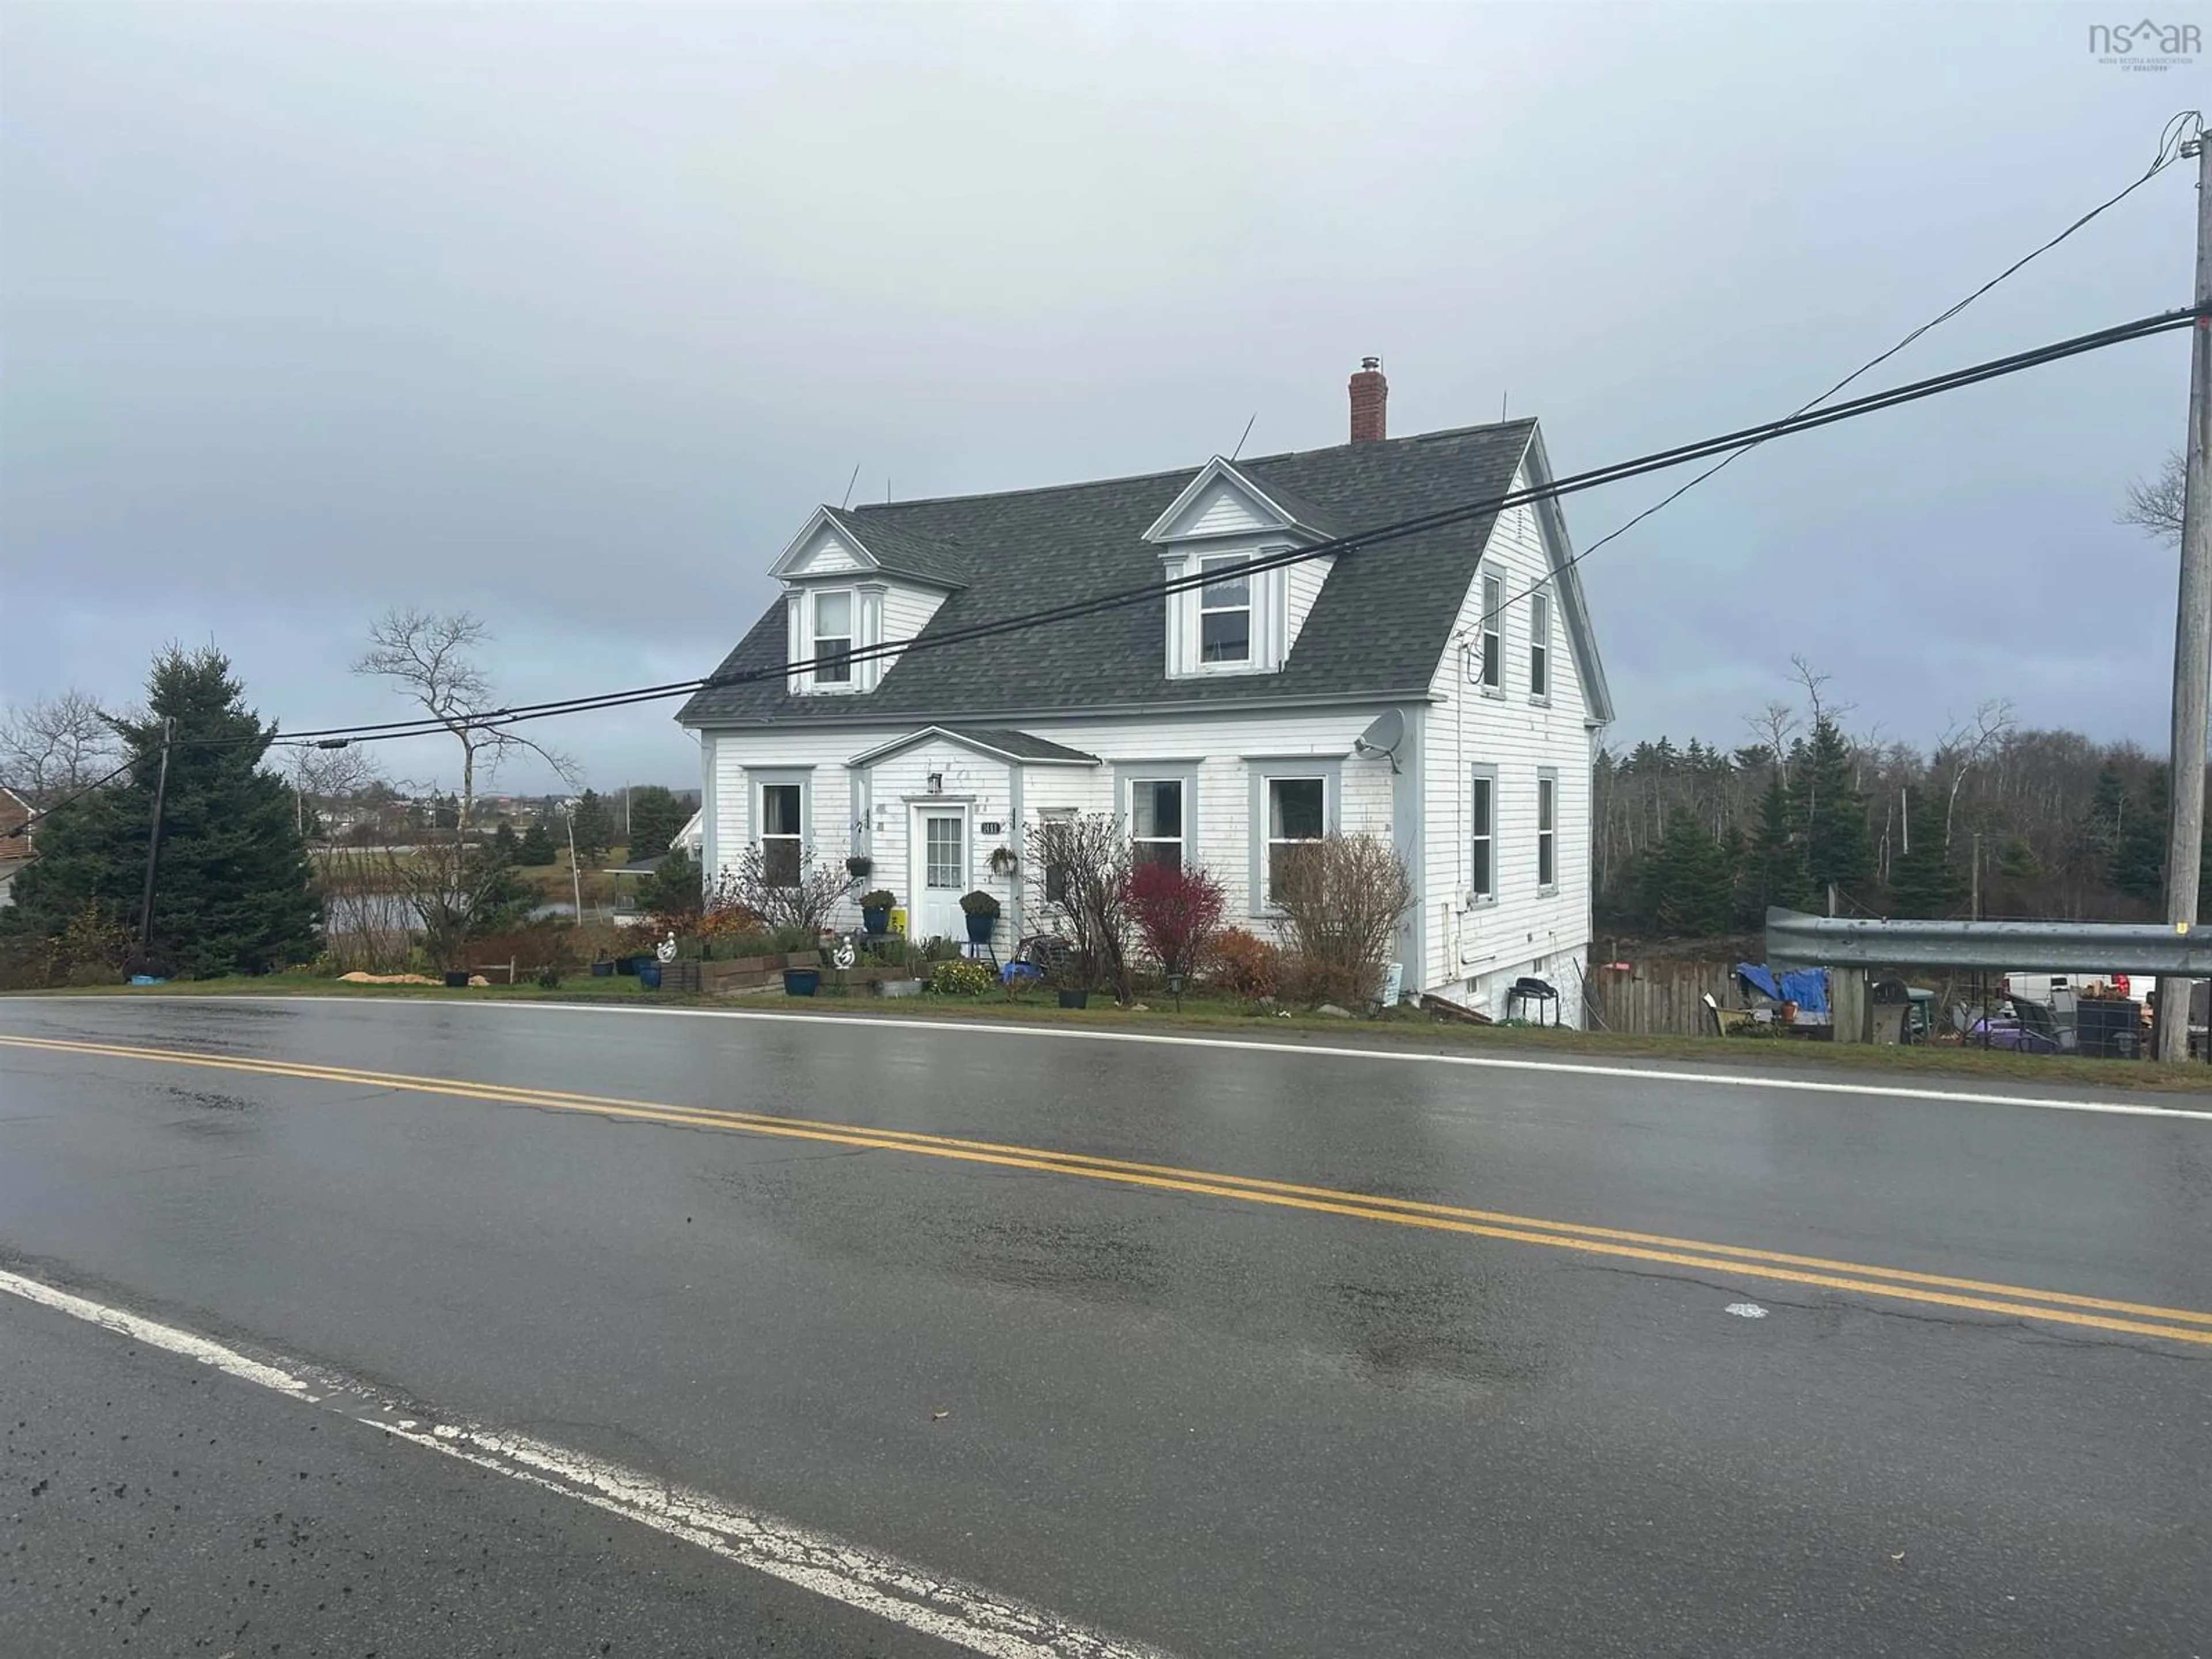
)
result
[(901, 550), (1023, 746), (1381, 624)]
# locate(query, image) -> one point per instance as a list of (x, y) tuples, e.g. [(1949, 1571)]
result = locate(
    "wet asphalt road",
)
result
[(1183, 1417)]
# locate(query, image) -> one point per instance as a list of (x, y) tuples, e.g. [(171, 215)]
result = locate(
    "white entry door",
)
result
[(940, 873)]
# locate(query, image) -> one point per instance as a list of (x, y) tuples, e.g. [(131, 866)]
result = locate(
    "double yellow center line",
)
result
[(1895, 1284)]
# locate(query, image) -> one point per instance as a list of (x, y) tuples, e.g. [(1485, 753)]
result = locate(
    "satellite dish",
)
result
[(1382, 736)]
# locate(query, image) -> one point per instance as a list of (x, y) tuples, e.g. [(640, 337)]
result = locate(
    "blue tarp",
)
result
[(1806, 987)]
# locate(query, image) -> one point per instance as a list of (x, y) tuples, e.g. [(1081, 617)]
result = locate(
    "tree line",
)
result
[(1992, 819)]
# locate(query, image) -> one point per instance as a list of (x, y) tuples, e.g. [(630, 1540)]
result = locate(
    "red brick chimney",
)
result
[(1369, 393)]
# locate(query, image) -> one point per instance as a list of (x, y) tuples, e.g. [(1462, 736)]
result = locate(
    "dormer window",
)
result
[(833, 638), (1224, 615)]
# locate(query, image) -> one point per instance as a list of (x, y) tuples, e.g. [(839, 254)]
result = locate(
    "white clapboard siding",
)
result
[(1303, 582), (1217, 747), (906, 610), (1481, 950)]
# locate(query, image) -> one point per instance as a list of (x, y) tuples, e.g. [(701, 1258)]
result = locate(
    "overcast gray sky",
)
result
[(570, 314)]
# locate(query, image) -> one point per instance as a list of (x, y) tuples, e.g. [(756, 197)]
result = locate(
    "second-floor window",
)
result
[(1156, 822), (833, 639), (1224, 615), (1493, 667), (1539, 645)]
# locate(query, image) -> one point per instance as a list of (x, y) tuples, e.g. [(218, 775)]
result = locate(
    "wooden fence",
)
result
[(1658, 997)]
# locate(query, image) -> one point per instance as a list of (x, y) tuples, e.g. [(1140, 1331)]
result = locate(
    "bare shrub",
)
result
[(803, 904), (1341, 899), (1083, 864)]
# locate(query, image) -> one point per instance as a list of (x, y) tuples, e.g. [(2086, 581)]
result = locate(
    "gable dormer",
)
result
[(850, 587), (1223, 519)]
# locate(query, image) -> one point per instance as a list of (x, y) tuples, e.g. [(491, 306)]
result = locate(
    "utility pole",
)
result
[(153, 840), (2192, 633), (575, 876)]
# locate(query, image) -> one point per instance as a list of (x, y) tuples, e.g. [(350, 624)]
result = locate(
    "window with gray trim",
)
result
[(1297, 812), (1156, 822), (1493, 665), (782, 818), (1482, 836), (1548, 829), (1539, 645)]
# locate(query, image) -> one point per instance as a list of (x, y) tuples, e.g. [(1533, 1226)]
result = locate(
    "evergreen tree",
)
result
[(234, 891), (1777, 873), (1829, 813), (2105, 820), (1694, 889), (590, 829), (1735, 859), (674, 889), (2137, 865), (505, 845), (536, 848), (2018, 861), (655, 816), (1922, 882)]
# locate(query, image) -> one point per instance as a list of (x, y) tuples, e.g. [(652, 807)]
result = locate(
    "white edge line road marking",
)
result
[(1573, 1068), (962, 1614)]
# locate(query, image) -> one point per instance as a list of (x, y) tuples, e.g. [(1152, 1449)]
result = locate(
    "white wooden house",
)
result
[(1219, 723)]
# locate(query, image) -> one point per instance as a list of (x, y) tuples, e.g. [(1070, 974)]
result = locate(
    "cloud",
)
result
[(570, 316)]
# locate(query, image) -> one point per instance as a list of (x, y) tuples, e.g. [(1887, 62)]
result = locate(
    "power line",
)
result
[(1726, 444), (2177, 132)]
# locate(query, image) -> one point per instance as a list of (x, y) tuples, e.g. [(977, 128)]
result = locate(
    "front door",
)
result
[(940, 873)]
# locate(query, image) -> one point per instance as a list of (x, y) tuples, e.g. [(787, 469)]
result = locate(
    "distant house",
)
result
[(1442, 691), (14, 840)]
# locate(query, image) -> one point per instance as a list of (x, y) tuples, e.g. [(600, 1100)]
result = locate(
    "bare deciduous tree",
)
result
[(1968, 744), (320, 778), (430, 657), (1773, 726), (55, 745), (2154, 504)]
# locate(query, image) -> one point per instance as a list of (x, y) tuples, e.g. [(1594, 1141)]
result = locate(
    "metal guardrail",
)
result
[(1796, 940)]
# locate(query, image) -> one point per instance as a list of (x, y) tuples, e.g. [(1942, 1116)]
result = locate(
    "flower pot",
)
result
[(1075, 999), (801, 982), (457, 980), (980, 929), (603, 970), (899, 988), (648, 976), (876, 921)]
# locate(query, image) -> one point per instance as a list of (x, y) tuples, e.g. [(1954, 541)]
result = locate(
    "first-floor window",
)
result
[(780, 835), (1156, 833), (1482, 838), (1548, 828), (1297, 810)]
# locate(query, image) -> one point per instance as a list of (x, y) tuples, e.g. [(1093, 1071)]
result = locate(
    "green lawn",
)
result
[(1933, 1065)]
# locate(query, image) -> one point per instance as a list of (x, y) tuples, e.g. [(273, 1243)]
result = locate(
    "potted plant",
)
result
[(860, 866), (801, 982), (983, 913), (1069, 980), (875, 910)]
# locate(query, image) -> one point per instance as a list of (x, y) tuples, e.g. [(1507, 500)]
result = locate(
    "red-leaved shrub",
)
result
[(1177, 913)]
